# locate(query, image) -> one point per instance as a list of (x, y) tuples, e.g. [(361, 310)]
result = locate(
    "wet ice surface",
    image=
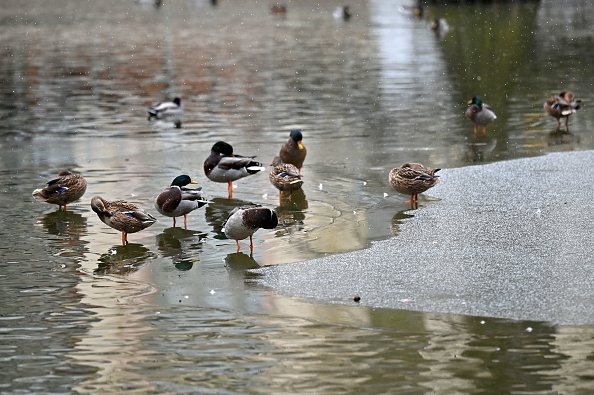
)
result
[(510, 239)]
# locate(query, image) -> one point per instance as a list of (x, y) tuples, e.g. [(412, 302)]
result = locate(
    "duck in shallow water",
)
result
[(480, 114), (122, 216), (164, 108), (244, 221), (178, 200), (562, 106), (412, 179), (63, 190)]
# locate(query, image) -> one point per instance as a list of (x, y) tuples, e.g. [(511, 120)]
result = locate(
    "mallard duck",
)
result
[(244, 221), (562, 106), (223, 166), (412, 179), (293, 152), (440, 25), (65, 189), (177, 200), (284, 176), (122, 216), (164, 108), (344, 12), (480, 114)]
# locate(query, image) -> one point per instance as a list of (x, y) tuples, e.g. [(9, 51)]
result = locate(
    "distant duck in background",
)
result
[(223, 166), (440, 25), (344, 12), (177, 200), (164, 109), (63, 190), (293, 151), (562, 106), (244, 221), (278, 9), (122, 216), (480, 114), (412, 179)]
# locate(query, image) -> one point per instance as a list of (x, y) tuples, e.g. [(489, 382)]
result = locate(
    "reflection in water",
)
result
[(479, 148), (181, 245), (397, 221), (64, 223), (124, 259), (239, 261), (563, 138)]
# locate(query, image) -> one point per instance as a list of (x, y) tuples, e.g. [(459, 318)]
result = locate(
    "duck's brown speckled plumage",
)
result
[(65, 189), (122, 216), (412, 179), (284, 176), (562, 106), (293, 151)]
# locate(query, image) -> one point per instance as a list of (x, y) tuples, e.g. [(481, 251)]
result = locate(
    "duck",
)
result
[(480, 114), (278, 9), (177, 200), (223, 166), (63, 190), (412, 179), (562, 106), (344, 12), (122, 216), (284, 176), (164, 108), (293, 151), (440, 25), (244, 221)]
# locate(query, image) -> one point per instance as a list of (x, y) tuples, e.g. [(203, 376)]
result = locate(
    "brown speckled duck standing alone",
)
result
[(65, 189), (412, 179)]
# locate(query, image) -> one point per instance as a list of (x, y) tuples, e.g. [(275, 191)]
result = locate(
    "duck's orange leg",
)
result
[(124, 238), (185, 221), (251, 244), (174, 221), (238, 246)]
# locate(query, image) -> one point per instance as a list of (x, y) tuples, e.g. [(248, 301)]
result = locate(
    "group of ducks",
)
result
[(224, 166), (560, 106)]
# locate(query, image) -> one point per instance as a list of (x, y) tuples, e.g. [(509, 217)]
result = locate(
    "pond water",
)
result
[(177, 310)]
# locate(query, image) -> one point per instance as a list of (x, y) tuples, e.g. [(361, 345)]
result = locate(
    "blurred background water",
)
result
[(177, 310)]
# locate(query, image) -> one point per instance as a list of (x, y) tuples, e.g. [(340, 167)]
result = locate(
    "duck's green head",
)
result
[(182, 181), (296, 136), (476, 101), (222, 148)]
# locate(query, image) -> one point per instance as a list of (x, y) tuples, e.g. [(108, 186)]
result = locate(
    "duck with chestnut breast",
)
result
[(293, 151), (562, 106), (122, 216), (244, 221), (480, 114), (165, 108), (285, 177), (65, 189), (223, 166), (412, 179), (178, 200)]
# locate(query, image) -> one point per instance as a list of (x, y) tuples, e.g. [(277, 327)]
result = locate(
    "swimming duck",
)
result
[(344, 12), (480, 114), (65, 189), (294, 152), (122, 216), (177, 200), (164, 108), (562, 106), (284, 176), (412, 179), (244, 221), (223, 166)]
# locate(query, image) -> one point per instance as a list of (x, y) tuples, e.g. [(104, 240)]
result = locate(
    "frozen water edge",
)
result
[(510, 239)]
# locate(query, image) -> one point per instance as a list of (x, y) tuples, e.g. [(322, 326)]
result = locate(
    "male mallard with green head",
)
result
[(294, 152), (284, 176), (480, 114), (177, 200), (412, 179), (65, 189), (562, 106), (122, 216), (223, 166), (244, 221)]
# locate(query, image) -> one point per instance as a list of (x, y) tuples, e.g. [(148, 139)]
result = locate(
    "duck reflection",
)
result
[(562, 137), (124, 259), (291, 214), (397, 220), (64, 223), (240, 262), (217, 212), (181, 245), (480, 148)]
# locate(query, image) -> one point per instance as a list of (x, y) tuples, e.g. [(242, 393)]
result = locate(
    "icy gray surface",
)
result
[(509, 239)]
